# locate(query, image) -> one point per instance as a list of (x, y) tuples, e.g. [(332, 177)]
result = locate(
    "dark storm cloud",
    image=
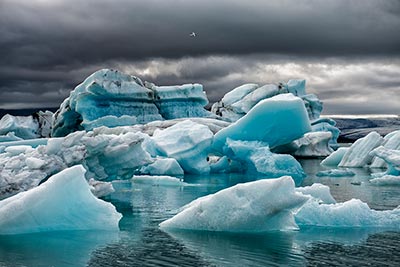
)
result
[(47, 47)]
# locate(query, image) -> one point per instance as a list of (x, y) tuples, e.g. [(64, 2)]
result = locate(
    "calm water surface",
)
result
[(141, 243)]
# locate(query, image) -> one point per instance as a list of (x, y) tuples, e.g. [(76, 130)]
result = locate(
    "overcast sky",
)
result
[(347, 50)]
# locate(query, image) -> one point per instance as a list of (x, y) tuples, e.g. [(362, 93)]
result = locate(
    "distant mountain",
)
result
[(357, 127), (24, 112)]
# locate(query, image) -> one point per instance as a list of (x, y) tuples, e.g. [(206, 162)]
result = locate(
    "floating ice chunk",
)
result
[(162, 180), (391, 157), (386, 180), (335, 158), (336, 173), (163, 166), (358, 154), (260, 159), (352, 213), (188, 142), (63, 202), (391, 141), (314, 144), (275, 121), (250, 207), (318, 191), (100, 189)]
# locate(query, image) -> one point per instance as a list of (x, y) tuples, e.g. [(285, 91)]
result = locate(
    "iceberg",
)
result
[(390, 141), (238, 102), (257, 157), (63, 202), (336, 173), (391, 157), (335, 158), (100, 189), (158, 180), (386, 180), (14, 128), (327, 125), (112, 98), (350, 214), (276, 121), (187, 142), (103, 156), (313, 144), (20, 126), (163, 166), (258, 206), (319, 192), (276, 204), (358, 155), (181, 101)]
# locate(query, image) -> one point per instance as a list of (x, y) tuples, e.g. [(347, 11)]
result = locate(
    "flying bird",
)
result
[(192, 34)]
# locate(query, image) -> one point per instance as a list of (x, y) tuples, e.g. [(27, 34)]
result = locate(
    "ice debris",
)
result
[(63, 202), (336, 173), (158, 180)]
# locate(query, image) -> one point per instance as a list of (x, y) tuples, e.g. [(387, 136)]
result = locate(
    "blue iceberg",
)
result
[(63, 202)]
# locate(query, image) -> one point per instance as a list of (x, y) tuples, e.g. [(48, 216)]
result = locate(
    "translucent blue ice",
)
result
[(63, 202), (275, 121)]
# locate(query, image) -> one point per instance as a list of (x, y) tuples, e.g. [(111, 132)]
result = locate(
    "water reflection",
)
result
[(67, 248)]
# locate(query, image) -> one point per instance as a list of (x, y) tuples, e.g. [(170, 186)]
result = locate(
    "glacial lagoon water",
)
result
[(141, 243)]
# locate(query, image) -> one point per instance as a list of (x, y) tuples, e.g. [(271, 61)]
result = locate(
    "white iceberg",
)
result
[(158, 180), (318, 191), (313, 144), (258, 206), (163, 166), (358, 155), (63, 202), (350, 214), (335, 158), (391, 157), (386, 180), (336, 173), (276, 121), (390, 141), (187, 142)]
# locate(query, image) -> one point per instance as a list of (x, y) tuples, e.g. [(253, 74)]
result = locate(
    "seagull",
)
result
[(192, 34)]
